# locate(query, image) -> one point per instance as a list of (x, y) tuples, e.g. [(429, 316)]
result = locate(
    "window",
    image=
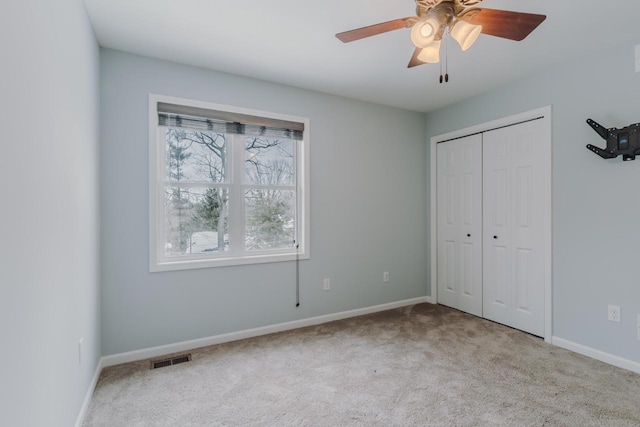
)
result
[(227, 186)]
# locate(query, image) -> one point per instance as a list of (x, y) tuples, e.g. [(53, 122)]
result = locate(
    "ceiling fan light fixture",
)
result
[(435, 18), (431, 53), (424, 32), (465, 33)]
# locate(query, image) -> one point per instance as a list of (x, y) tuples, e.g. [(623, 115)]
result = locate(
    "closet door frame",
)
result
[(543, 114)]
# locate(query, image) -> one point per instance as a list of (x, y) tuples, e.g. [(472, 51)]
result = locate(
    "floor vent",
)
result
[(155, 364)]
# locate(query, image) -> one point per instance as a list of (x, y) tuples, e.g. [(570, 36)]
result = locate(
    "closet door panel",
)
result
[(447, 223), (529, 216), (496, 225), (459, 199), (513, 226)]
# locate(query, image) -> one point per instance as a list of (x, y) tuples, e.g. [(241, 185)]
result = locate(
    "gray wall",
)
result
[(49, 260), (368, 211), (596, 202)]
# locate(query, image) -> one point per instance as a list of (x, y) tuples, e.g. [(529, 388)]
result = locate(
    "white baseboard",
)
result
[(89, 394), (147, 353), (597, 354)]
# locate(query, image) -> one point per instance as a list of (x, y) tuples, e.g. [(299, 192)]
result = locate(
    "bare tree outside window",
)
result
[(270, 206), (178, 205), (195, 207), (197, 199)]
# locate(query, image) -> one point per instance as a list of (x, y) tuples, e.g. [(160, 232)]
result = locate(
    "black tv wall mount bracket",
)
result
[(623, 141)]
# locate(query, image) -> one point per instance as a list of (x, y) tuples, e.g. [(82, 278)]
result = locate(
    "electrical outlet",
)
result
[(614, 313), (326, 285), (385, 277), (80, 351)]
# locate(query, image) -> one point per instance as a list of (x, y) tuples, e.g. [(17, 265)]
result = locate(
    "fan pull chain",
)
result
[(446, 56), (446, 59)]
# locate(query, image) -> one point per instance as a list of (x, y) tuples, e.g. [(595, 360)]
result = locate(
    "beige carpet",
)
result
[(423, 365)]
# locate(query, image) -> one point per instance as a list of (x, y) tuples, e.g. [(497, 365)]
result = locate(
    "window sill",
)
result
[(191, 264)]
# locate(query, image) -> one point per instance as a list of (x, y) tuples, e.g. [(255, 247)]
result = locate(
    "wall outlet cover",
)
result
[(614, 313)]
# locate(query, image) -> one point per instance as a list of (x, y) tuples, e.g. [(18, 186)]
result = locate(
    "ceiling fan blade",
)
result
[(503, 23), (414, 62), (372, 30)]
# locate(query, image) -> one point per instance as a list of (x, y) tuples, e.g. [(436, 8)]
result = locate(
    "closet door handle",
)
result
[(468, 235), (495, 237)]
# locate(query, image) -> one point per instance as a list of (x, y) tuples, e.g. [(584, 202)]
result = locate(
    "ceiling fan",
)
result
[(457, 17)]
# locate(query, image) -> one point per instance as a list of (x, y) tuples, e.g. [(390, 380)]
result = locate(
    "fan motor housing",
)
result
[(423, 7)]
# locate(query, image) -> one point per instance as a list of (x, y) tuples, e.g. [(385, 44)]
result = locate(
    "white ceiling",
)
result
[(292, 42)]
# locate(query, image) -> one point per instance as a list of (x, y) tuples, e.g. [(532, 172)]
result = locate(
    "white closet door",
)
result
[(514, 173), (459, 219)]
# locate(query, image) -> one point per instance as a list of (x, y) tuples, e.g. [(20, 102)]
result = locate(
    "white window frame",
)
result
[(157, 261)]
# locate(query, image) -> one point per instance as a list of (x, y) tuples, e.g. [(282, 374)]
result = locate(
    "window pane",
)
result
[(196, 221), (269, 161), (269, 219), (196, 156)]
